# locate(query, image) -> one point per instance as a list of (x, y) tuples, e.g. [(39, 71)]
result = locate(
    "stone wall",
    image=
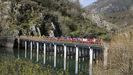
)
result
[(6, 42)]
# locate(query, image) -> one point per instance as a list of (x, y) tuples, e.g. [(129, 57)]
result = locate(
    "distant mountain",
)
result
[(110, 6), (112, 14)]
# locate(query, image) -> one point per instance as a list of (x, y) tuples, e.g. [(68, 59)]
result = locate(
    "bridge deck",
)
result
[(60, 41)]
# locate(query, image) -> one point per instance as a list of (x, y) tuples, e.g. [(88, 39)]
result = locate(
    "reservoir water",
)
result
[(70, 63)]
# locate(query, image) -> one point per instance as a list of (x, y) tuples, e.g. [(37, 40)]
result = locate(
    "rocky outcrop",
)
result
[(98, 19)]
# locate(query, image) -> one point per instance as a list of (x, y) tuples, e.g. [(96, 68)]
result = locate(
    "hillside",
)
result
[(110, 6), (118, 13), (45, 17), (117, 17)]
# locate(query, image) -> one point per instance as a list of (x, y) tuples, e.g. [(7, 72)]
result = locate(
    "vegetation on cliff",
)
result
[(67, 17)]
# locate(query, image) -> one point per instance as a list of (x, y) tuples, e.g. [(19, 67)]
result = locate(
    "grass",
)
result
[(120, 56)]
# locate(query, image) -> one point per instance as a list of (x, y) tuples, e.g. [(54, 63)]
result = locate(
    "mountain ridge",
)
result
[(118, 13), (109, 6)]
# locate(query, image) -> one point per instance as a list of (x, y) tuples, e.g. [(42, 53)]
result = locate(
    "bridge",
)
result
[(77, 48)]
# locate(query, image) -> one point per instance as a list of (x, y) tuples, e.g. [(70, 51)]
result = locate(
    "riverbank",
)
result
[(10, 65)]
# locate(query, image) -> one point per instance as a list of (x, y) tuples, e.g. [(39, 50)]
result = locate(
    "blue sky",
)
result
[(86, 2)]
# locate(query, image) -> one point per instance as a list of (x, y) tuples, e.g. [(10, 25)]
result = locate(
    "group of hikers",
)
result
[(75, 40), (88, 41)]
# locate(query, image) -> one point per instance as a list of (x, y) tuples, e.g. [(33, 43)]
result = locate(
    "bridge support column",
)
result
[(25, 49), (76, 67), (18, 46), (83, 54), (31, 48), (65, 57), (91, 61), (37, 57), (44, 52), (55, 55), (106, 47), (105, 57)]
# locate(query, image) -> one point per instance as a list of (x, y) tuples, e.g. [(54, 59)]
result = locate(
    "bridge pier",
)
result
[(106, 48), (31, 48), (44, 51), (65, 54), (55, 47), (105, 57), (91, 61), (18, 40), (77, 56), (25, 49), (37, 57)]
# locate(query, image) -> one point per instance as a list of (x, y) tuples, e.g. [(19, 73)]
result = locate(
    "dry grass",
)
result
[(120, 59)]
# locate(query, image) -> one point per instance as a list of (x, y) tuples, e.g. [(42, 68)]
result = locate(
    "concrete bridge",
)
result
[(55, 46)]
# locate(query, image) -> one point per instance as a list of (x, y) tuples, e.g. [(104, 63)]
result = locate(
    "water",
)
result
[(70, 65), (6, 52)]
